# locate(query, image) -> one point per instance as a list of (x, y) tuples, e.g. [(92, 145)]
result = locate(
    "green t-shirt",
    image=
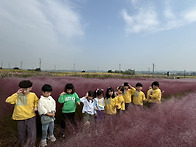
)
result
[(70, 102)]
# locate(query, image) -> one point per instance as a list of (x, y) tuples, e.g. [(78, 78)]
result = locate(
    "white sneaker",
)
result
[(52, 138), (43, 143)]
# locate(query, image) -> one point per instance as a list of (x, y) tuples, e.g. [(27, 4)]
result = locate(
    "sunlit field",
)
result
[(171, 123)]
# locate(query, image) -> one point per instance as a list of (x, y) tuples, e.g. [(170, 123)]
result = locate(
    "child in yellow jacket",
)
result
[(139, 96), (128, 93), (110, 101), (120, 103), (154, 94), (26, 104)]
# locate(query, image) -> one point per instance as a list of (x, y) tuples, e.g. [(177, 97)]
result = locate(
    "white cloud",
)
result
[(156, 18), (39, 28), (41, 18), (145, 20), (65, 21), (190, 16)]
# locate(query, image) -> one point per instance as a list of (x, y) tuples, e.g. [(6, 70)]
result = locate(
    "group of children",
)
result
[(94, 105)]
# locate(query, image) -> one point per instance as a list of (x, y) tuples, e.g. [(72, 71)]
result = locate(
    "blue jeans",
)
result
[(45, 129)]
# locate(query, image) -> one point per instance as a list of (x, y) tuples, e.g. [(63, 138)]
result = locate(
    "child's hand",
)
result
[(78, 103), (35, 109), (19, 91), (53, 113), (62, 93), (95, 108), (86, 95)]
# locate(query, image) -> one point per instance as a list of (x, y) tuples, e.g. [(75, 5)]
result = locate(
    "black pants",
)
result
[(69, 123), (126, 106)]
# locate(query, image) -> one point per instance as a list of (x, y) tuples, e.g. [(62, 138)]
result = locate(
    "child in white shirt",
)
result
[(88, 107), (47, 109)]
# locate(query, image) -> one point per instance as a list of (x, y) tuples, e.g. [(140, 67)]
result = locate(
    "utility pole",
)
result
[(153, 65), (74, 67), (40, 63), (21, 65)]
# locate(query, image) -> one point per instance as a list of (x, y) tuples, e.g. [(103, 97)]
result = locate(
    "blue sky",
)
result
[(98, 34)]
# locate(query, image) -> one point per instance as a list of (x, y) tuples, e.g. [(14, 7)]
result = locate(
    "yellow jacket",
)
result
[(154, 96), (110, 105), (128, 94), (138, 97), (24, 105), (120, 102)]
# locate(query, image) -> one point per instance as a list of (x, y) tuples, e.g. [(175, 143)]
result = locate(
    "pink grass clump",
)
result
[(172, 123)]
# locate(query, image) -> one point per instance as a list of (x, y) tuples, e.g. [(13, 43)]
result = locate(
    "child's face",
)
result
[(110, 93), (46, 93), (126, 87), (69, 91), (154, 87), (120, 92), (138, 88), (26, 91), (100, 96), (90, 97)]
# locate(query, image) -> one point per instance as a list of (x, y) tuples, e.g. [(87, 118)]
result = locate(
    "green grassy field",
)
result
[(26, 73)]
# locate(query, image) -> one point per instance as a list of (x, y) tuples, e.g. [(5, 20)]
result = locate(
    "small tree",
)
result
[(110, 71), (129, 72), (16, 68), (37, 69)]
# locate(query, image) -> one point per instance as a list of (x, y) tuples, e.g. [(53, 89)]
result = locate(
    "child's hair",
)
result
[(98, 92), (107, 92), (138, 85), (155, 83), (69, 86), (91, 93), (47, 88), (25, 84), (126, 84), (121, 88)]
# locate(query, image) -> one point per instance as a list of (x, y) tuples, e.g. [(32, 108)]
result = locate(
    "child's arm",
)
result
[(77, 99), (50, 114), (82, 99), (12, 99), (95, 106), (117, 102), (53, 106), (131, 87), (144, 98), (156, 95), (36, 99), (61, 98)]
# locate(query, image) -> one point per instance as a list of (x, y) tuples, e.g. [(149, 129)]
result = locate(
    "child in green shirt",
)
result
[(69, 99)]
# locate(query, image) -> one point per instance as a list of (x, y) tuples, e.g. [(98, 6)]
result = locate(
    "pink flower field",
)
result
[(172, 123)]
